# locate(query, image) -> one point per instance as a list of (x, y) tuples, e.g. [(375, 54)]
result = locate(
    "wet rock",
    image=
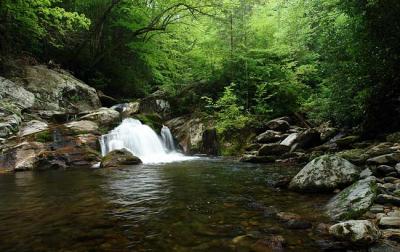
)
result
[(360, 232), (82, 127), (278, 125), (273, 149), (58, 90), (22, 157), (287, 216), (33, 127), (388, 199), (353, 201), (391, 158), (325, 173), (272, 243), (103, 116), (308, 139), (118, 158), (390, 222), (270, 136)]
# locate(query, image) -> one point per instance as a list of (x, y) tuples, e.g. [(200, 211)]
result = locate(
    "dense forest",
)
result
[(239, 60)]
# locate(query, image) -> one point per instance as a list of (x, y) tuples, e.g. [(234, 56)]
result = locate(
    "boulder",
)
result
[(354, 201), (290, 140), (33, 127), (58, 90), (127, 109), (355, 156), (388, 199), (22, 157), (15, 94), (359, 232), (278, 125), (308, 139), (273, 149), (9, 125), (347, 141), (103, 116), (118, 158), (155, 103), (325, 173), (392, 158), (82, 127), (269, 136), (390, 222)]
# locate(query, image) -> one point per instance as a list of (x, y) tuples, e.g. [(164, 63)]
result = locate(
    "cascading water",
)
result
[(143, 142)]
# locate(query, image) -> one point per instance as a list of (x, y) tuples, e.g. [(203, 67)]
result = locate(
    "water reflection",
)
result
[(189, 206)]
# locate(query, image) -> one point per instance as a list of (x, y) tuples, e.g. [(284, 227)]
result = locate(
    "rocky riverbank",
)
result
[(51, 120)]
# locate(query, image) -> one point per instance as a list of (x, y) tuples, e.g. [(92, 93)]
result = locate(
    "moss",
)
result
[(44, 137), (152, 120)]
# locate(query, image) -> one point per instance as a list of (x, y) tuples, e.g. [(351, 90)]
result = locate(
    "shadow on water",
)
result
[(199, 205)]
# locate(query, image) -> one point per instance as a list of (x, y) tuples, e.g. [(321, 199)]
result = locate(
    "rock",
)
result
[(397, 167), (269, 136), (210, 144), (155, 103), (391, 234), (82, 127), (355, 156), (360, 232), (387, 199), (103, 116), (127, 109), (345, 142), (286, 216), (290, 140), (392, 158), (58, 90), (385, 169), (278, 125), (366, 173), (389, 222), (272, 243), (118, 158), (9, 125), (385, 246), (253, 147), (106, 100), (298, 224), (13, 93), (308, 139), (377, 208), (273, 149), (326, 132), (325, 173), (353, 201), (22, 157), (33, 127)]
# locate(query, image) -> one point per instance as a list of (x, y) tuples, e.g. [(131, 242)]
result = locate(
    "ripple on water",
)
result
[(200, 205)]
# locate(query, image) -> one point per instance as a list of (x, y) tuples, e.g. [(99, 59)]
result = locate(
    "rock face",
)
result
[(13, 93), (325, 173), (353, 201), (189, 133), (360, 232), (79, 127), (103, 116), (58, 90), (118, 158), (33, 127)]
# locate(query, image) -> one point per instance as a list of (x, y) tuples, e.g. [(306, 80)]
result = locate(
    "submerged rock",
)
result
[(353, 201), (325, 173), (360, 232), (118, 158)]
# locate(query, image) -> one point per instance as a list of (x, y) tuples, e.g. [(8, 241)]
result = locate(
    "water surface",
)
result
[(196, 205)]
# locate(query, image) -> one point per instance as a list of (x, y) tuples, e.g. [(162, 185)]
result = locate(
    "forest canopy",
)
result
[(330, 60)]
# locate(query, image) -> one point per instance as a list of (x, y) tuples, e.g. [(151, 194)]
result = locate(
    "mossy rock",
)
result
[(154, 121), (118, 158), (44, 137), (355, 156)]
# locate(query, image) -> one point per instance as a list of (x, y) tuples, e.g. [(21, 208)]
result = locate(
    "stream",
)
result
[(197, 205)]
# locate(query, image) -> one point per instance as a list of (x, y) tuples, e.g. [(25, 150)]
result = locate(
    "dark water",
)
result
[(190, 206)]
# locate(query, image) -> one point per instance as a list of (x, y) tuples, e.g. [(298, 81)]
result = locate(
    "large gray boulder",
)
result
[(15, 94), (58, 90), (359, 232), (325, 173), (354, 201)]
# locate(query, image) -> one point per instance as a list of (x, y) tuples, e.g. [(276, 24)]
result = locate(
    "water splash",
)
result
[(143, 142)]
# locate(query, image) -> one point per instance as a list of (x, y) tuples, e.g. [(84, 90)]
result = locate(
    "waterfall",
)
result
[(167, 139), (143, 142)]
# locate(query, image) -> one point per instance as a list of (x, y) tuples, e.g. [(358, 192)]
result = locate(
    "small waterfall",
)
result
[(143, 142), (167, 139)]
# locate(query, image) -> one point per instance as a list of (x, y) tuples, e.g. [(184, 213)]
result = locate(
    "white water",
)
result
[(143, 142)]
